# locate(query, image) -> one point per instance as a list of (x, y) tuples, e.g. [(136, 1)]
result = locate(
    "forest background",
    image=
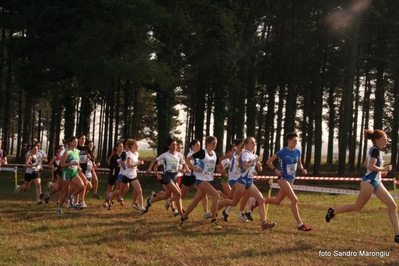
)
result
[(119, 69)]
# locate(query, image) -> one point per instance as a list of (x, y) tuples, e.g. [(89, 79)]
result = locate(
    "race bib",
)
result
[(73, 166), (82, 158), (291, 169)]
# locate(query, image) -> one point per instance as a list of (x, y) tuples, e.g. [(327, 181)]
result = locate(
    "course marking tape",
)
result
[(107, 170), (326, 190)]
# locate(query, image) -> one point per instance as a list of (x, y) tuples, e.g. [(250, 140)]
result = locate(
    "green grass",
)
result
[(35, 235)]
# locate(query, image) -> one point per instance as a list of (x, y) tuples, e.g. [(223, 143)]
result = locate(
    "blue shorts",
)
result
[(374, 183), (245, 181), (169, 177), (197, 182), (119, 178), (232, 182)]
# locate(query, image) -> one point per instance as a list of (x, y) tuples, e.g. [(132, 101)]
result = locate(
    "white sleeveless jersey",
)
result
[(207, 165), (131, 172)]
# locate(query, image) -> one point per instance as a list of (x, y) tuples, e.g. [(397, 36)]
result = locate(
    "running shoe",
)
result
[(135, 206), (207, 215), (215, 225), (39, 202), (109, 196), (105, 205), (143, 211), (397, 238), (83, 204), (59, 211), (175, 213), (122, 203), (304, 227), (181, 222), (242, 217), (148, 203), (96, 196), (71, 201), (330, 214), (49, 184), (268, 225), (249, 216), (46, 197), (16, 190), (167, 204), (225, 216), (77, 207)]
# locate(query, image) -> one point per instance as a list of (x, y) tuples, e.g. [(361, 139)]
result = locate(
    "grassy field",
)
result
[(36, 235)]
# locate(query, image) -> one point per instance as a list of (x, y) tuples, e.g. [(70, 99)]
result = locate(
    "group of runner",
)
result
[(74, 173), (237, 167)]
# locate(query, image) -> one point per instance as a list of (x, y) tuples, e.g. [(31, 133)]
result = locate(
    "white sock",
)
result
[(300, 224), (251, 203), (228, 209)]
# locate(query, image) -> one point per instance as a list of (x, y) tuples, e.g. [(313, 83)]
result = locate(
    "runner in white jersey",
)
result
[(204, 170), (130, 175), (248, 161), (189, 178), (56, 185), (32, 174), (172, 160), (234, 173)]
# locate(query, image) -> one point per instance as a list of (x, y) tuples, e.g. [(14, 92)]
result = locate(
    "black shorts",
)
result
[(168, 177), (112, 179), (31, 177), (127, 180), (188, 180)]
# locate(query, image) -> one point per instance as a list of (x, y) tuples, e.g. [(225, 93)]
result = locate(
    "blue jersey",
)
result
[(288, 162), (247, 156), (374, 152)]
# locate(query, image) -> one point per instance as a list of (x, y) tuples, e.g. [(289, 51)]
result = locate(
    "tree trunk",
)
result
[(347, 101), (379, 102)]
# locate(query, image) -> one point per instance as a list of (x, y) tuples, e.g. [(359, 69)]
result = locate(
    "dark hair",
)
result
[(169, 141), (88, 142), (209, 139), (193, 142), (373, 135), (71, 139), (229, 147), (291, 135), (237, 142)]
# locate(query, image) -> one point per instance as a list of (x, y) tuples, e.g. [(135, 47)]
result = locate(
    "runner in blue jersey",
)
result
[(290, 160), (371, 182)]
